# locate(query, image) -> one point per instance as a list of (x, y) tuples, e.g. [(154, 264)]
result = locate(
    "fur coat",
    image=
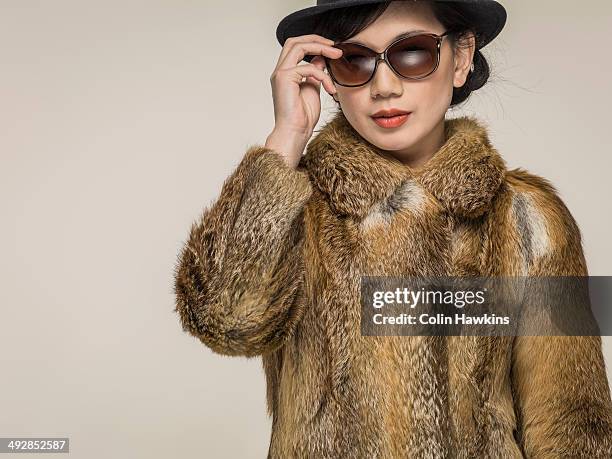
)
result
[(272, 269)]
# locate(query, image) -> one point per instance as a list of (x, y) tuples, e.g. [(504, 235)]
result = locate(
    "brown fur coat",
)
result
[(272, 269)]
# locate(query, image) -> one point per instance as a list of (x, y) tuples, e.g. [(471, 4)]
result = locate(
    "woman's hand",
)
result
[(297, 103)]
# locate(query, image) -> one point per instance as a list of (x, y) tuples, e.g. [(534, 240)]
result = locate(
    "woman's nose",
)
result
[(385, 82)]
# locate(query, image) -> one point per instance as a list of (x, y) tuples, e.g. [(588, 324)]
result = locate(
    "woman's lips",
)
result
[(391, 122)]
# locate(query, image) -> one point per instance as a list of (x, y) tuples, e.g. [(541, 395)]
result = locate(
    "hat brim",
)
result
[(489, 17)]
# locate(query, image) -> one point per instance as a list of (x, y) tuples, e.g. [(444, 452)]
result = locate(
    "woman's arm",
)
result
[(239, 276), (562, 395)]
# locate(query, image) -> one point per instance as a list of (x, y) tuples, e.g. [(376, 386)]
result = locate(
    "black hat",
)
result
[(489, 18)]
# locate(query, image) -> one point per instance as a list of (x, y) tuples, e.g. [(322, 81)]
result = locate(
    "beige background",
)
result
[(120, 121)]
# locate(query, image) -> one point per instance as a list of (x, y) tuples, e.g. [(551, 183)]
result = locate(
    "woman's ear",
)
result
[(463, 57)]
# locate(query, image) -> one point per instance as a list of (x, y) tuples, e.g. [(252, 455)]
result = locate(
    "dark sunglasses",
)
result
[(414, 56)]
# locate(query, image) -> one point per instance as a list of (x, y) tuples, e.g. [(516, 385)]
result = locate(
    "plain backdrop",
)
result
[(119, 122)]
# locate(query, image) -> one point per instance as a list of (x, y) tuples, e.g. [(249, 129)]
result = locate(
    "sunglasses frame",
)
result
[(383, 57)]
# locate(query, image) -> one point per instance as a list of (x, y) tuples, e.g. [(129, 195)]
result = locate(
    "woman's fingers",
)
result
[(296, 88), (300, 50), (318, 61), (312, 81), (292, 41), (311, 70)]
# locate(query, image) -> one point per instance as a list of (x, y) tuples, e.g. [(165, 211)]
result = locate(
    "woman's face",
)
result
[(427, 99)]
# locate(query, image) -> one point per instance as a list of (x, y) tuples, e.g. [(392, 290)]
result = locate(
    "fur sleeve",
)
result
[(238, 280), (562, 395)]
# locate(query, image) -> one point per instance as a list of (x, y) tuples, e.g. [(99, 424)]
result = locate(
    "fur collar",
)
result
[(464, 175)]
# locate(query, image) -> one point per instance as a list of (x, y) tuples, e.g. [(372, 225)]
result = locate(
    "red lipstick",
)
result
[(390, 118)]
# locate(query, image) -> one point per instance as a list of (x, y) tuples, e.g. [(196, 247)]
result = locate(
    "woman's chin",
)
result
[(396, 142)]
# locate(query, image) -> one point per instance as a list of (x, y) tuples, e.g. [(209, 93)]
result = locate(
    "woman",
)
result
[(273, 267)]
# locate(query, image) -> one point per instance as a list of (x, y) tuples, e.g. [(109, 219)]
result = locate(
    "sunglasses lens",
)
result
[(354, 67), (414, 57)]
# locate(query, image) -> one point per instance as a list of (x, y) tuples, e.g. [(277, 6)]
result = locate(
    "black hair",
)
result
[(343, 23)]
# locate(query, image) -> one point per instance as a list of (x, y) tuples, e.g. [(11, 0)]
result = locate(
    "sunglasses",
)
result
[(413, 56)]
